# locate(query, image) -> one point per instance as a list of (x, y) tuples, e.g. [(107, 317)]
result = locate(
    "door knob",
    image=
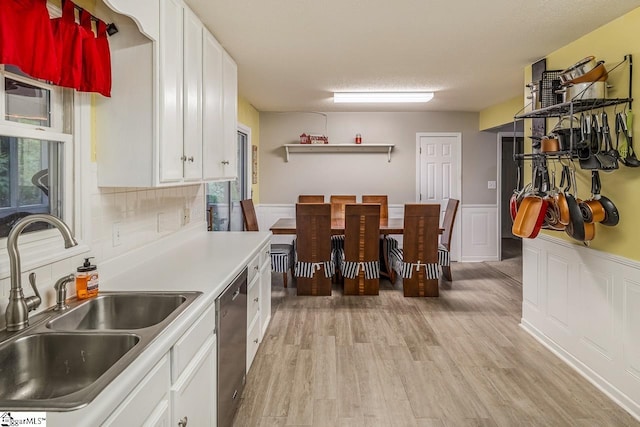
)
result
[(183, 422)]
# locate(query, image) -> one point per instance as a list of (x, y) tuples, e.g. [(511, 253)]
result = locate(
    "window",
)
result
[(223, 198), (33, 133)]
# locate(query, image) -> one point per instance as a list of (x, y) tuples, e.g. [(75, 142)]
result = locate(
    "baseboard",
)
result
[(600, 383)]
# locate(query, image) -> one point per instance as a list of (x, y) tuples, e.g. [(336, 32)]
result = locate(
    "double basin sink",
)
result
[(66, 358)]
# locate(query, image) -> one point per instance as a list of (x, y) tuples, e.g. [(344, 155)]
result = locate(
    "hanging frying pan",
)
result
[(530, 216), (611, 214), (561, 200), (532, 209), (575, 228), (552, 214)]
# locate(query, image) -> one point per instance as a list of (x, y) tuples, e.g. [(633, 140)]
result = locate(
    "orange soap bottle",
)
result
[(87, 280)]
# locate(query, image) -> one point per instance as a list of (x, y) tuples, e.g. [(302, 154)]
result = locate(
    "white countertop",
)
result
[(205, 262)]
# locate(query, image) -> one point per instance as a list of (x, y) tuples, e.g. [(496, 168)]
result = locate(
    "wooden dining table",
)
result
[(387, 226)]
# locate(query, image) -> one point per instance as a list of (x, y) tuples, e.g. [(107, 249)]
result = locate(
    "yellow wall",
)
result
[(249, 116), (500, 114), (610, 43)]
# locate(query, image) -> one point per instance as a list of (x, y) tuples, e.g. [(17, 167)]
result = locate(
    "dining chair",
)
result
[(417, 261), (281, 253), (382, 200), (359, 258), (314, 257), (337, 205), (310, 198), (444, 248)]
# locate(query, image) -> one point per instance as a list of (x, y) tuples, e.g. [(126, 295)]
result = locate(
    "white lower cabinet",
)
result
[(181, 389), (161, 416), (140, 406), (265, 294), (253, 309), (193, 396), (258, 300)]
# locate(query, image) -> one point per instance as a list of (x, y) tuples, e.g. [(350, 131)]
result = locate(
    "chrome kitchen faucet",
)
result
[(17, 314)]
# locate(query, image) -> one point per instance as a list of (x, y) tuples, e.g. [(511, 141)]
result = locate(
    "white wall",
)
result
[(361, 173), (583, 305)]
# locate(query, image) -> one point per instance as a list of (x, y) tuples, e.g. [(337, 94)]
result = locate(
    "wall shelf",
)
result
[(335, 148)]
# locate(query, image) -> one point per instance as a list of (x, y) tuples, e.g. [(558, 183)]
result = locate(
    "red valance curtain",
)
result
[(58, 50), (26, 38)]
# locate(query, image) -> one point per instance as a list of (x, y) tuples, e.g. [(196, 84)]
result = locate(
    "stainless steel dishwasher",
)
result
[(231, 327)]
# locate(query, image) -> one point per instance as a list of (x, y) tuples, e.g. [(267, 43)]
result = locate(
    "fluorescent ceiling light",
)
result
[(382, 96)]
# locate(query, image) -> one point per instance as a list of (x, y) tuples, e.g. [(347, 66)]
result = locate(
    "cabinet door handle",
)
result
[(183, 422), (225, 162), (183, 158), (190, 159), (256, 268), (256, 341), (256, 299)]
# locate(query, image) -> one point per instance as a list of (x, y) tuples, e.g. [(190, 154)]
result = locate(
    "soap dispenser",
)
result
[(87, 280)]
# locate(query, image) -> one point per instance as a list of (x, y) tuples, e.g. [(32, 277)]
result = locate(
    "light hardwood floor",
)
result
[(460, 359)]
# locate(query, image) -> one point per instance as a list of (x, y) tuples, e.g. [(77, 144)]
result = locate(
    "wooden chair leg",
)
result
[(446, 272), (284, 278)]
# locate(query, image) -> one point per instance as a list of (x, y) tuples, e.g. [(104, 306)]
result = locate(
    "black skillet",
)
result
[(575, 228), (611, 214)]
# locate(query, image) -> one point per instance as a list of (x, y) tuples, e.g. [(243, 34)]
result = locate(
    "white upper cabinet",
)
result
[(212, 126), (171, 119), (220, 111), (192, 151), (230, 115), (171, 93)]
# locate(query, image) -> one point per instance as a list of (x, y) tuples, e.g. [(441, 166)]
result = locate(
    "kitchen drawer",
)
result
[(265, 256), (145, 398), (253, 341), (252, 268), (253, 301), (183, 351)]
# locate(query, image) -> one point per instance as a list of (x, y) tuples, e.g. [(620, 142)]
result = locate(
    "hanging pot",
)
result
[(588, 90), (592, 210), (578, 69), (549, 144), (597, 74), (534, 96)]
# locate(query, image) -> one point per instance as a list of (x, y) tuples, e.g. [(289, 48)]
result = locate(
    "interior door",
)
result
[(439, 168)]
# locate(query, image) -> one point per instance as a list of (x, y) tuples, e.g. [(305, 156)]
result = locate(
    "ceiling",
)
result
[(293, 54)]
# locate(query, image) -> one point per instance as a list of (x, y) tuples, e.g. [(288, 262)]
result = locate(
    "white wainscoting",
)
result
[(584, 305), (476, 224), (479, 233)]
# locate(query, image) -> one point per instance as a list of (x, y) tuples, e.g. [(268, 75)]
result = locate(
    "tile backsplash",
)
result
[(120, 220)]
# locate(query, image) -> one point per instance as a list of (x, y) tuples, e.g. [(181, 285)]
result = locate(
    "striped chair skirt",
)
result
[(405, 269)]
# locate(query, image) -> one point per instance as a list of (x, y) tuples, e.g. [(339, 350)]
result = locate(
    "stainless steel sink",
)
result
[(45, 366), (65, 359), (120, 311)]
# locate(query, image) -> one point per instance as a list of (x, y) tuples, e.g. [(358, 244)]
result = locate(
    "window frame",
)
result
[(43, 247)]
